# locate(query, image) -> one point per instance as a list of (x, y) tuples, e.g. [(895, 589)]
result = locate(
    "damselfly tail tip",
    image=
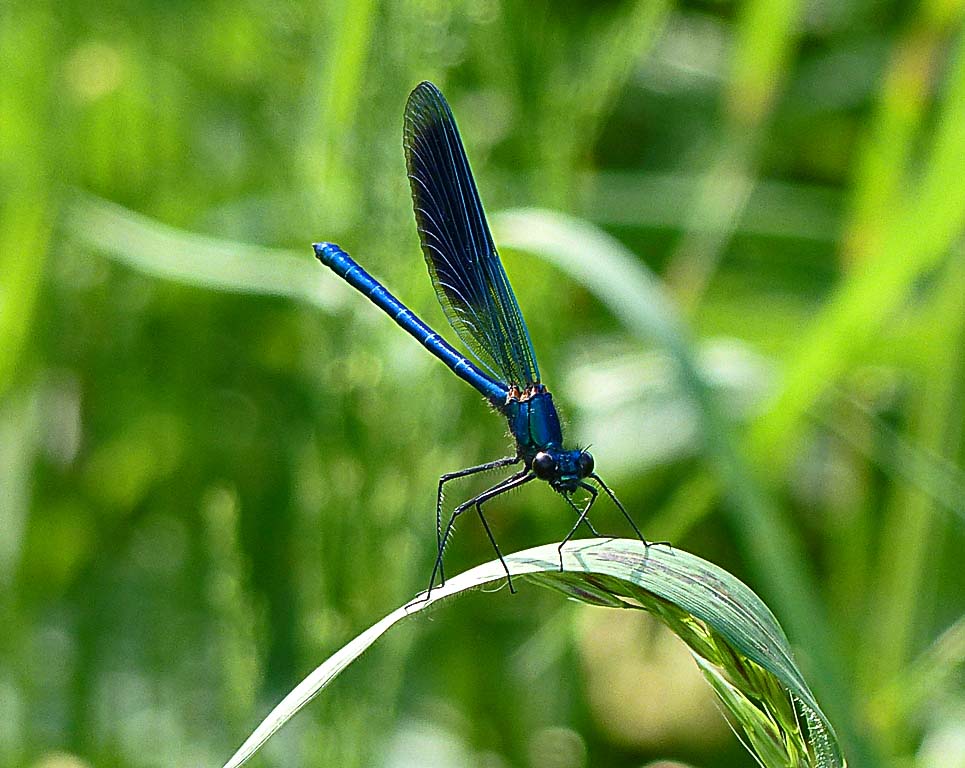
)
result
[(324, 251)]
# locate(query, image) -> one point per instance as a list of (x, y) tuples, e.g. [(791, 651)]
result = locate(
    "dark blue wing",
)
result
[(463, 263)]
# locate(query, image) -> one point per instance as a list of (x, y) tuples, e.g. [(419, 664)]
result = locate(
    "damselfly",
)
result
[(481, 307)]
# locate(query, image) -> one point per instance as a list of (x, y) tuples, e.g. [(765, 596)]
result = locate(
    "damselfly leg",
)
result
[(626, 514), (504, 462), (520, 478), (580, 519)]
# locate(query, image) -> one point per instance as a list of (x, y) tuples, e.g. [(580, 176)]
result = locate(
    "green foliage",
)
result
[(741, 261)]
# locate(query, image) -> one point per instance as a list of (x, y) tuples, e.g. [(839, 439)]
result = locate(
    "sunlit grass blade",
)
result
[(331, 107), (890, 143), (765, 33), (28, 200), (207, 262), (915, 239), (736, 639), (24, 239)]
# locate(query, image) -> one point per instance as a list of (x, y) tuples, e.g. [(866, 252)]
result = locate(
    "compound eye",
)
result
[(544, 465), (585, 463)]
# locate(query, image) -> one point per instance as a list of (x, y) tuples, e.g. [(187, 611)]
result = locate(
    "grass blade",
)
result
[(737, 640), (915, 239), (186, 257)]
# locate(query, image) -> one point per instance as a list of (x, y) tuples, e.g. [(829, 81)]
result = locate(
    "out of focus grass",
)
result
[(216, 464)]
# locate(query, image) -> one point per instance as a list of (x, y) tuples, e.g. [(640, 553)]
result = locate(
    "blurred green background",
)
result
[(218, 463)]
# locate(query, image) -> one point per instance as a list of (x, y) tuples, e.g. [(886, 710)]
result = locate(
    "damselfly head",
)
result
[(563, 470)]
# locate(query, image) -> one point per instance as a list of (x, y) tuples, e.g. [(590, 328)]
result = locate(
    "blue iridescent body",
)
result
[(480, 305), (533, 420), (346, 267)]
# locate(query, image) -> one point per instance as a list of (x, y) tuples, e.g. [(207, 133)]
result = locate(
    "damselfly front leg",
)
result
[(520, 478), (581, 518), (626, 514), (504, 462)]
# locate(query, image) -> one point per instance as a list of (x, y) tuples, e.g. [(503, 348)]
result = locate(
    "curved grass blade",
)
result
[(157, 249), (734, 637)]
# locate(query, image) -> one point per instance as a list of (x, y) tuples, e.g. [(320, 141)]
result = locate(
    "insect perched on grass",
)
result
[(479, 304)]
